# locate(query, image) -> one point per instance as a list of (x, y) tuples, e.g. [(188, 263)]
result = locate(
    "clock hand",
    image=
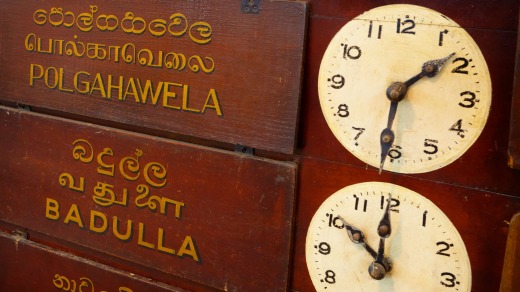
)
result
[(357, 237), (379, 268), (397, 92)]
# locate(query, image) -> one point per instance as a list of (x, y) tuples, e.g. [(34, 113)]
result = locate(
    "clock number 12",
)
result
[(405, 26)]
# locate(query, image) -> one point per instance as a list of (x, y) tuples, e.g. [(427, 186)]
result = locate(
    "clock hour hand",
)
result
[(379, 267), (357, 237), (397, 92)]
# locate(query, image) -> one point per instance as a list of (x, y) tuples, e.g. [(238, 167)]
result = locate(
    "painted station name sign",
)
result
[(198, 68)]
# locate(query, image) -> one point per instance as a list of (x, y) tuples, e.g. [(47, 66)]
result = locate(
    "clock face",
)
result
[(423, 250), (440, 116)]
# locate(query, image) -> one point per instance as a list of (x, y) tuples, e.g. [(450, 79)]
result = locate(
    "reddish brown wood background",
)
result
[(238, 210), (257, 66), (478, 192), (514, 132)]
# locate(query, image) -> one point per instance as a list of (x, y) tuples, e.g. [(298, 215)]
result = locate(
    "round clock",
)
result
[(404, 88), (378, 236)]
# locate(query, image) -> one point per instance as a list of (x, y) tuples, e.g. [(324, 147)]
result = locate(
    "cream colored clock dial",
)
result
[(421, 250), (442, 77)]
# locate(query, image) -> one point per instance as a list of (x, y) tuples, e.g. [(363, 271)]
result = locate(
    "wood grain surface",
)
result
[(188, 211), (478, 192), (197, 68)]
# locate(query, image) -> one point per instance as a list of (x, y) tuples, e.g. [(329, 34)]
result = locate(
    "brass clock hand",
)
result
[(378, 269), (397, 92), (357, 237)]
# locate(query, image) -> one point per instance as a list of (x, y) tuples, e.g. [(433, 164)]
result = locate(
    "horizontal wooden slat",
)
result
[(185, 210), (28, 266), (198, 68)]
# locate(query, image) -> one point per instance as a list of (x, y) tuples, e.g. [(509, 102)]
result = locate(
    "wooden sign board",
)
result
[(193, 212), (226, 70), (53, 270)]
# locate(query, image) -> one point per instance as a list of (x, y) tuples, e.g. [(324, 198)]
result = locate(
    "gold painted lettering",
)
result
[(168, 94), (115, 229), (98, 85), (160, 243), (85, 85), (185, 100), (40, 49), (111, 86), (131, 90), (140, 240), (51, 71), (30, 42), (105, 196), (40, 16), (104, 168), (149, 90), (178, 206), (81, 150), (204, 31), (213, 98), (115, 55), (52, 209), (74, 216), (34, 75), (98, 215), (67, 177), (60, 82), (158, 171), (188, 248), (132, 164)]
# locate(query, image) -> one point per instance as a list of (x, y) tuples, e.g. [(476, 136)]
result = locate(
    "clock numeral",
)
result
[(441, 36), (337, 80), (360, 131), (330, 277), (334, 221), (458, 69), (323, 248), (343, 110), (379, 31), (449, 280), (470, 101), (457, 127), (446, 247), (430, 146), (356, 204), (395, 152), (393, 205), (352, 52), (405, 26), (424, 218)]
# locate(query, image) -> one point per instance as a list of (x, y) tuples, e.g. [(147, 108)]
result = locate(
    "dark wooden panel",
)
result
[(472, 14), (484, 166), (28, 266), (185, 210), (196, 68), (480, 217), (478, 192), (514, 132)]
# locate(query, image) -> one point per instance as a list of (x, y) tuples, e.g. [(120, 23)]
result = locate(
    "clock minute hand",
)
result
[(379, 267), (397, 92)]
